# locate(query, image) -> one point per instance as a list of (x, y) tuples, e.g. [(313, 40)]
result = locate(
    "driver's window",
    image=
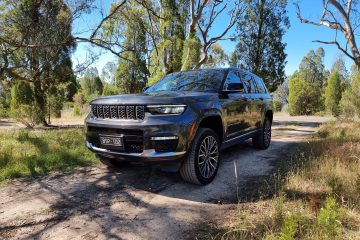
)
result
[(233, 83)]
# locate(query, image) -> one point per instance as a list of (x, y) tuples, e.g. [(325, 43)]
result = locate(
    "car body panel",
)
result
[(241, 115)]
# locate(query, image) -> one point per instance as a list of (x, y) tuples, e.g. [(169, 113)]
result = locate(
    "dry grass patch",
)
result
[(317, 192)]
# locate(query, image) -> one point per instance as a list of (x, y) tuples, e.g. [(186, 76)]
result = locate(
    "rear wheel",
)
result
[(263, 140), (202, 162)]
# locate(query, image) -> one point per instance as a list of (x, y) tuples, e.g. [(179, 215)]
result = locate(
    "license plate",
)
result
[(111, 141)]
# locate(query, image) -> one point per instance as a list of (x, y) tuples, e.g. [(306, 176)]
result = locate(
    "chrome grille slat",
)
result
[(131, 112)]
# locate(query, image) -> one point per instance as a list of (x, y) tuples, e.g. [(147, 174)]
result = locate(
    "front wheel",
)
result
[(263, 139), (202, 163)]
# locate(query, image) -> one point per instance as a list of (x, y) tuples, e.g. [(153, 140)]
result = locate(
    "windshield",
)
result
[(199, 81)]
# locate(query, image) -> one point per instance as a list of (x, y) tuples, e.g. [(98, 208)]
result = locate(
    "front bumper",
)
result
[(149, 155), (138, 143)]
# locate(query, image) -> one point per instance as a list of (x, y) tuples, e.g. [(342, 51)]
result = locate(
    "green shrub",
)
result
[(328, 219), (69, 105), (350, 102), (277, 105), (77, 111), (304, 97), (110, 90), (333, 93), (22, 106), (289, 228)]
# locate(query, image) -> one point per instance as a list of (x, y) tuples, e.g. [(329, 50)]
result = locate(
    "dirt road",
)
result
[(139, 202)]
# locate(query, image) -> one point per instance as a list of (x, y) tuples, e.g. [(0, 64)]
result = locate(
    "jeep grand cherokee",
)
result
[(185, 119)]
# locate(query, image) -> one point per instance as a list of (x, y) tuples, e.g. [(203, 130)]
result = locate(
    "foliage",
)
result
[(306, 85), (328, 219), (303, 97), (217, 57), (91, 85), (132, 73), (191, 55), (55, 101), (77, 110), (40, 24), (110, 89), (350, 102), (333, 93), (312, 68), (31, 153), (277, 105), (22, 107), (79, 99), (167, 57), (5, 98), (260, 48)]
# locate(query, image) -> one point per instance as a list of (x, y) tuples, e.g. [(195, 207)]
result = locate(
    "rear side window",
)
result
[(260, 85), (249, 82)]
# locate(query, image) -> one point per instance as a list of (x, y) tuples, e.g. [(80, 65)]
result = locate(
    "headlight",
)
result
[(166, 109)]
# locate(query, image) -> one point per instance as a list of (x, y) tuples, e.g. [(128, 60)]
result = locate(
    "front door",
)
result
[(235, 105)]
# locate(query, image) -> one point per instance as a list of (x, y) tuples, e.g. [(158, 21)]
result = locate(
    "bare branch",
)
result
[(111, 14), (338, 45), (345, 27)]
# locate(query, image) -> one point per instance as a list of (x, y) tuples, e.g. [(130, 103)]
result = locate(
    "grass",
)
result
[(25, 153), (314, 195)]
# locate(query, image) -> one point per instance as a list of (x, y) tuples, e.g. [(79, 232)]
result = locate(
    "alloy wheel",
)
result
[(208, 157)]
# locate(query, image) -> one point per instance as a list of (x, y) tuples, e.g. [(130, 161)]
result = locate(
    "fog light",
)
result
[(164, 138)]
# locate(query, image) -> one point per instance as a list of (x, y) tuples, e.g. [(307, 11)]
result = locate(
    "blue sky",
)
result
[(298, 38)]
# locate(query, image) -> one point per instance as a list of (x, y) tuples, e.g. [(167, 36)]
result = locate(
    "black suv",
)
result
[(183, 120)]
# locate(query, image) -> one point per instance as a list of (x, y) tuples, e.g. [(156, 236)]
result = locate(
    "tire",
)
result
[(111, 163), (202, 170), (263, 140)]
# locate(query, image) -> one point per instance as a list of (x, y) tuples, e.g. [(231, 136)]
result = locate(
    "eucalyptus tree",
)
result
[(27, 25), (260, 48)]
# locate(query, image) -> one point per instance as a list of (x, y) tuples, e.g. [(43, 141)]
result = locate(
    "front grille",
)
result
[(118, 112)]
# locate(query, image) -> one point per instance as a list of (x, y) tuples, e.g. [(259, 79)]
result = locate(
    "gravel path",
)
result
[(139, 202)]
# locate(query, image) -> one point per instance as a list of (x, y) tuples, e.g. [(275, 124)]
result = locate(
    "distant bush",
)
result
[(333, 93), (22, 106), (277, 105), (303, 97), (110, 90), (69, 105), (350, 102), (77, 110), (79, 99)]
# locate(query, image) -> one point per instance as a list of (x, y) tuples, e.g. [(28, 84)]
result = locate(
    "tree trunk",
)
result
[(357, 62), (39, 96)]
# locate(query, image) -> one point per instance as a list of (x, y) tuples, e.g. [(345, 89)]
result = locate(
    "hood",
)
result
[(162, 97)]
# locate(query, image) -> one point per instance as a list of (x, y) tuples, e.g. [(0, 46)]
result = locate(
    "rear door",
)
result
[(255, 104), (263, 97)]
